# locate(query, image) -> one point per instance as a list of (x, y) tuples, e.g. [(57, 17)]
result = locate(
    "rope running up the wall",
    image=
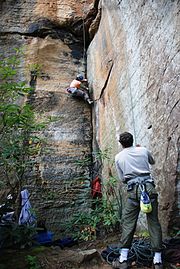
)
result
[(131, 99), (84, 39)]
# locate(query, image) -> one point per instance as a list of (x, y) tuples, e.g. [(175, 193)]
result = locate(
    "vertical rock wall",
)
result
[(133, 68), (62, 186), (51, 34)]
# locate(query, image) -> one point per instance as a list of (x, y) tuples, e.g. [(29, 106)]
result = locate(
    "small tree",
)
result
[(18, 127)]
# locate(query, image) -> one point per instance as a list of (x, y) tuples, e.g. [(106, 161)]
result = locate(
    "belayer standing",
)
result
[(78, 90), (132, 165)]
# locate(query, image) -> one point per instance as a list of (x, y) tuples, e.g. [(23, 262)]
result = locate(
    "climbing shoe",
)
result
[(158, 266), (90, 102), (116, 264)]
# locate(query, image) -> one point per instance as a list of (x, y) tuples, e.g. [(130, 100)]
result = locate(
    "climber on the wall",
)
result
[(78, 90)]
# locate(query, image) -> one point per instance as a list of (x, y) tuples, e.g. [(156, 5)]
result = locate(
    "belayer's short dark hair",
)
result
[(126, 139)]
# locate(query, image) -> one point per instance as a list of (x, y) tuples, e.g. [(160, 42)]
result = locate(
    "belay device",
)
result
[(145, 202)]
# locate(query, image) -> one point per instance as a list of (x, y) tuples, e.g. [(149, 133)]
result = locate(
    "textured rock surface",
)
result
[(133, 67), (63, 187), (43, 17), (51, 33)]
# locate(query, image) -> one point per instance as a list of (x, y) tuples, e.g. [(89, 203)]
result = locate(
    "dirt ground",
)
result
[(53, 257), (84, 255)]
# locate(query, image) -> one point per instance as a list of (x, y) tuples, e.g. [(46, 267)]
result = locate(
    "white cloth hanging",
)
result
[(26, 216)]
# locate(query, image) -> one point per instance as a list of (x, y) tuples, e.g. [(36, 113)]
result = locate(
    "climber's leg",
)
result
[(87, 99)]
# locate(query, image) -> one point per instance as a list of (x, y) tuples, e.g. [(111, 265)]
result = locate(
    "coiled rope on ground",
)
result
[(140, 252)]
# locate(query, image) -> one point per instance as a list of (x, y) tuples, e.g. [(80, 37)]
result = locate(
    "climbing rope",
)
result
[(140, 252), (84, 40), (130, 91), (131, 100)]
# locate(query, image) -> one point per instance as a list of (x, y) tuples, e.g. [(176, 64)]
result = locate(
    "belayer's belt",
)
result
[(140, 180)]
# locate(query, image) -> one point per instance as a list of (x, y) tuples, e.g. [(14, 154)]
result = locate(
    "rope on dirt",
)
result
[(140, 252)]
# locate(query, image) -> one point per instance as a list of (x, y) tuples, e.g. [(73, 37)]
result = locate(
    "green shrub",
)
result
[(104, 216), (32, 262), (19, 142)]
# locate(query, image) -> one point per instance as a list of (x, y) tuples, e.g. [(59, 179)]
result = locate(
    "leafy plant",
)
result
[(85, 162), (112, 193), (105, 216), (32, 262), (19, 142), (16, 235), (102, 154), (86, 225), (35, 68), (106, 212), (10, 88)]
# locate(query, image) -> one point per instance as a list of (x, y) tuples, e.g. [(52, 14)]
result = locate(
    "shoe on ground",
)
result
[(158, 266), (116, 264)]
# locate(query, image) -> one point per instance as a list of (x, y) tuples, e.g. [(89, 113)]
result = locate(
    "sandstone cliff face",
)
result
[(133, 68), (51, 33)]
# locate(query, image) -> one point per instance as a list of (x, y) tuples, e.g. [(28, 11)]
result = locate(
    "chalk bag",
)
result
[(145, 202)]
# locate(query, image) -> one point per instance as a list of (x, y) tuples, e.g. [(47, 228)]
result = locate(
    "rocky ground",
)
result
[(85, 255)]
